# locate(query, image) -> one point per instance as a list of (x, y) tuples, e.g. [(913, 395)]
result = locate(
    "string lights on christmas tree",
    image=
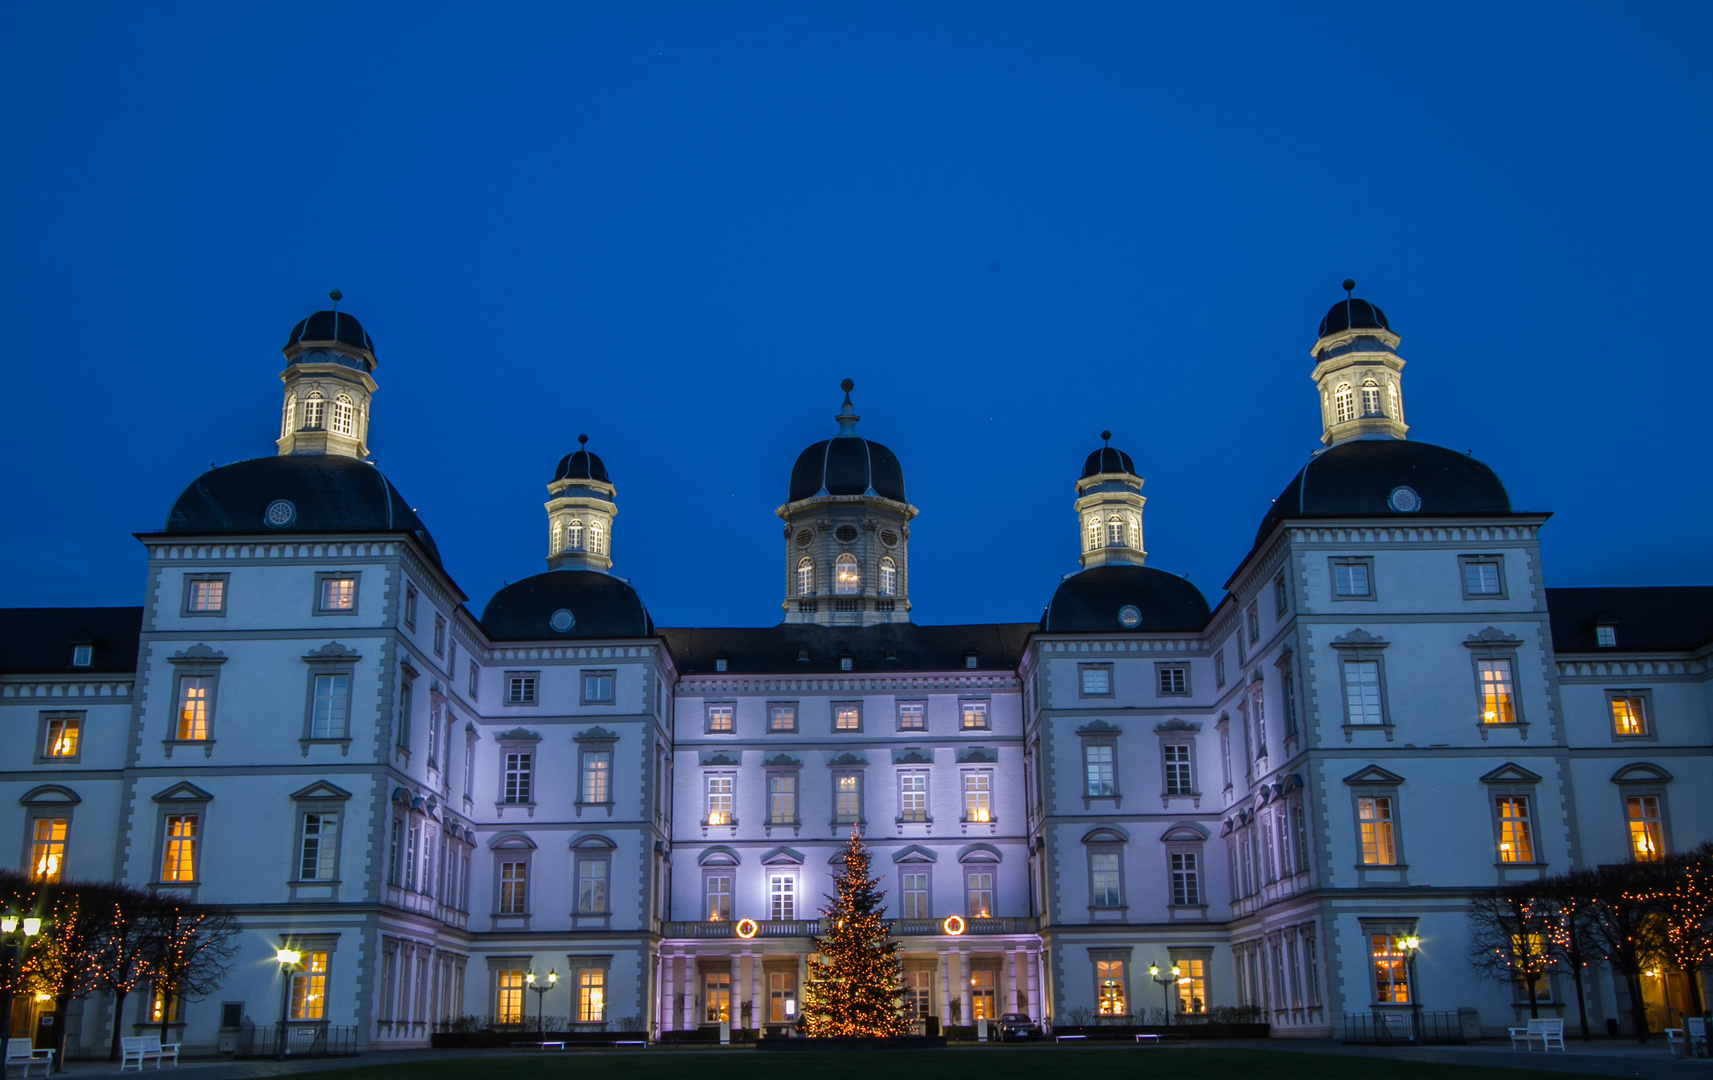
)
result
[(855, 985)]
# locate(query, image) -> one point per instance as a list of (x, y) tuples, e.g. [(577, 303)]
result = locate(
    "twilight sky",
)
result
[(677, 227)]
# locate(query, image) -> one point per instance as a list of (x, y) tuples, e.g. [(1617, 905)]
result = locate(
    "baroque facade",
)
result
[(1387, 709)]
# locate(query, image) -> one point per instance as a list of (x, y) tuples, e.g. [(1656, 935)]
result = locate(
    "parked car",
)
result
[(1018, 1026)]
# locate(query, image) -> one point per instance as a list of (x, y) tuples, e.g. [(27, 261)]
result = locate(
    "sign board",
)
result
[(981, 1029), (725, 1032)]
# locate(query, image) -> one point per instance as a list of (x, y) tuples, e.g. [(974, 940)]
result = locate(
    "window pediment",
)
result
[(846, 759), (1492, 638), (915, 853), (332, 652), (719, 856), (1185, 831), (782, 761), (321, 789), (1359, 639), (1106, 834), (197, 654), (50, 795), (977, 755), (979, 853), (1176, 726), (1641, 772), (596, 734), (1373, 774), (592, 842), (183, 792), (514, 841), (1099, 727), (782, 856), (518, 734), (1511, 773), (718, 757), (911, 757)]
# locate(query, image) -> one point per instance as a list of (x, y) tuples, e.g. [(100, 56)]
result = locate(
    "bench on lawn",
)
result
[(1069, 1038), (1147, 1038), (632, 1042), (21, 1052), (1545, 1032), (138, 1049)]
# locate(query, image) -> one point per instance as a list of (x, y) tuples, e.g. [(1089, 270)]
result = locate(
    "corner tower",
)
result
[(1358, 372), (329, 379), (1109, 508), (847, 532), (580, 513)]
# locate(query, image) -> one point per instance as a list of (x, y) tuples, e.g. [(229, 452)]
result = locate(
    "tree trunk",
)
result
[(1638, 1010), (1694, 978), (1534, 998), (60, 1004), (1581, 1003), (166, 1016), (118, 1023)]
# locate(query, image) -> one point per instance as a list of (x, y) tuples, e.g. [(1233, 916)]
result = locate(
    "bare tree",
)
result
[(1569, 930), (129, 942), (67, 960), (190, 947), (1508, 930), (1624, 923), (1685, 896)]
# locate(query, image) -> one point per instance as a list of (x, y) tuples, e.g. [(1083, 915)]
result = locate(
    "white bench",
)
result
[(21, 1052), (1147, 1038), (1545, 1032), (632, 1042), (1069, 1038), (1693, 1036), (138, 1049)]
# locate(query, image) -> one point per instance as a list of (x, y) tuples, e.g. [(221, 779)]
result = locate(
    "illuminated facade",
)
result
[(1386, 709)]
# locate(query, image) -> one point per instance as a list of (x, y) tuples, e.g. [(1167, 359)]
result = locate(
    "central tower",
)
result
[(847, 532)]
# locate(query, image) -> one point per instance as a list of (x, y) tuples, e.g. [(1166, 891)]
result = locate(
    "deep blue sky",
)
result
[(677, 228)]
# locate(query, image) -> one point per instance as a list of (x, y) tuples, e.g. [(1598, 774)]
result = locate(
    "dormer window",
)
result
[(82, 655), (719, 663), (1606, 637), (847, 579), (970, 658)]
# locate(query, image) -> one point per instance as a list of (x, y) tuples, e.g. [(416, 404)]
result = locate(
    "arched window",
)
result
[(597, 538), (558, 529), (888, 577), (573, 535), (806, 576), (1135, 532), (342, 414), (289, 415), (313, 410), (1093, 533), (1371, 398), (1343, 404), (1392, 400), (847, 579), (1115, 531)]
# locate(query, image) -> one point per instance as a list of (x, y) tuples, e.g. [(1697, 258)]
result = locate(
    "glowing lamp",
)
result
[(529, 977), (287, 957), (748, 928), (9, 923), (954, 925), (32, 927), (1153, 971)]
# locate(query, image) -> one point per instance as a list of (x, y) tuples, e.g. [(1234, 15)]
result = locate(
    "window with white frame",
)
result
[(847, 579), (978, 795), (717, 896), (1370, 398), (1606, 637), (439, 635), (314, 411), (1173, 679), (847, 716), (1098, 762), (1516, 832), (520, 687), (330, 706), (1177, 765), (519, 776), (1362, 693), (592, 873), (574, 535), (1498, 694), (912, 716), (1645, 820), (318, 847), (343, 416), (805, 576), (1629, 712), (720, 796), (1483, 577), (721, 719), (1375, 836), (1093, 532), (974, 715), (591, 994), (597, 777), (514, 887), (195, 707), (888, 577), (205, 595), (598, 687), (1186, 879), (1096, 680), (338, 593), (913, 888), (1343, 404), (597, 538), (781, 896), (847, 798), (1225, 748), (978, 881), (1391, 969), (782, 716), (47, 848), (1352, 579), (1104, 879), (1115, 531), (913, 796), (782, 799), (62, 736)]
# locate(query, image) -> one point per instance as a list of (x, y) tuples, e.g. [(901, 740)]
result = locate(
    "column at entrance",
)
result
[(945, 989), (734, 991), (757, 1007), (1011, 1002), (689, 962), (965, 1013)]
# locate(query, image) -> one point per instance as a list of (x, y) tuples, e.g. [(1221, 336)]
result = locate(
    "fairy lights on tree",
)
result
[(855, 985)]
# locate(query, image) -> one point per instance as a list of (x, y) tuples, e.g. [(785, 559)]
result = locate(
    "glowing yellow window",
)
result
[(62, 737), (591, 995), (309, 988), (1109, 987), (47, 849), (1192, 986), (1391, 971), (1498, 699), (1374, 821), (1516, 839), (508, 996), (193, 695), (178, 862), (1629, 716), (1647, 830)]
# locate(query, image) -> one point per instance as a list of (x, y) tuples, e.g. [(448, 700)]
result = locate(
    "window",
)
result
[(912, 716), (330, 707), (1178, 769), (1374, 824), (1093, 533), (1109, 987), (1219, 668), (915, 892), (597, 777), (520, 688), (1288, 695), (847, 799), (318, 848), (591, 995), (1192, 985), (977, 793), (847, 716), (1115, 531), (1391, 970), (205, 595), (514, 887), (1352, 579), (475, 673), (508, 996), (984, 987), (1225, 748), (888, 577), (721, 719), (1096, 680), (314, 409), (1258, 709), (1103, 880), (847, 579), (342, 416), (781, 799), (979, 889), (974, 715), (1300, 835), (194, 695), (1281, 597), (47, 849), (1647, 827), (309, 988), (716, 996), (720, 799), (62, 736), (1343, 404), (410, 605), (913, 796), (1498, 700), (598, 687), (1482, 577), (1097, 763), (574, 535), (1186, 880), (805, 576), (1606, 637), (1252, 622), (781, 996), (717, 897), (971, 659), (289, 416), (82, 655), (1516, 839), (518, 778), (782, 897), (918, 994), (592, 886), (782, 717), (1371, 398), (597, 538), (1173, 679), (178, 859), (1362, 692), (439, 636), (1629, 713), (338, 594)]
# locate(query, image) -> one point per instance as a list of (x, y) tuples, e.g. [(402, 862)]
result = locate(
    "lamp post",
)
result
[(17, 935), (540, 996), (1409, 946), (288, 960), (1165, 994)]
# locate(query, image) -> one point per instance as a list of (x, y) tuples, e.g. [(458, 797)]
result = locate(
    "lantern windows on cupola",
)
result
[(1358, 372), (580, 511), (330, 361), (1109, 505)]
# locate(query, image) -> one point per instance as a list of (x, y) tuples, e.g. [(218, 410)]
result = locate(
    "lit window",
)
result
[(597, 538), (331, 707), (1606, 637), (518, 777), (514, 888), (591, 995), (1174, 680), (847, 716), (1186, 880), (1629, 716), (178, 860), (558, 533), (912, 716), (1392, 398), (63, 735), (1115, 531), (974, 714), (598, 687), (1516, 839), (719, 800), (193, 700), (1371, 398), (1103, 880), (1093, 533), (1097, 761), (309, 988), (1647, 827), (716, 996), (915, 891), (314, 408), (1135, 524), (1481, 578), (1097, 681), (1362, 692), (782, 800), (1109, 987), (288, 416), (719, 897), (847, 580), (342, 416), (782, 718), (207, 595), (1391, 971), (984, 988), (980, 892), (1192, 984), (597, 777), (1350, 579), (913, 797), (338, 594), (1498, 700), (574, 535), (781, 897), (592, 887), (318, 848), (1343, 404), (47, 849), (508, 997), (847, 799), (805, 576), (888, 577), (1178, 770), (1374, 823), (977, 792), (720, 717), (782, 997)]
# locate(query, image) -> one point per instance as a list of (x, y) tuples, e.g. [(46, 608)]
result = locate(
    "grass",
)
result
[(1011, 1063)]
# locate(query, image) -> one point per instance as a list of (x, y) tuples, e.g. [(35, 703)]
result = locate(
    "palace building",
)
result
[(1386, 710)]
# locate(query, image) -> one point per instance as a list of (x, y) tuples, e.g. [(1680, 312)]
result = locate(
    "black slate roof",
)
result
[(1090, 600), (775, 650), (600, 605), (581, 465), (328, 493), (331, 326), (1353, 314), (38, 641), (1108, 460), (1356, 479), (1663, 618), (847, 465)]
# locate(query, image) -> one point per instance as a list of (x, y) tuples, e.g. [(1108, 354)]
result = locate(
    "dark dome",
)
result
[(331, 326), (1108, 460), (1353, 314), (321, 493), (1357, 478), (581, 465), (847, 465), (601, 606), (1090, 600)]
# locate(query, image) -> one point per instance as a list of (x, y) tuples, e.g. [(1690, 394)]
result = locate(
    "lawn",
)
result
[(1011, 1063)]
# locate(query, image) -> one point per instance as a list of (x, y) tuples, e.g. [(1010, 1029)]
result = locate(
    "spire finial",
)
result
[(1349, 287), (583, 441), (335, 296), (847, 417), (1105, 438)]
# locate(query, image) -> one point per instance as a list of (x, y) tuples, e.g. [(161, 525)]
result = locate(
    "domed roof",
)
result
[(1108, 460), (847, 465), (596, 605), (303, 494), (1094, 600), (581, 465), (331, 326), (1359, 479), (1353, 314)]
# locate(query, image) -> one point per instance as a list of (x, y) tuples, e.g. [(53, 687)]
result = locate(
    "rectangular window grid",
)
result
[(1481, 578), (980, 891), (782, 800), (514, 887), (847, 716), (1178, 770), (1647, 827), (977, 794), (1192, 986), (913, 797), (847, 799), (309, 988), (1103, 880), (781, 897), (720, 800), (520, 689), (912, 716), (207, 595), (508, 996), (592, 887), (1498, 699), (721, 718), (591, 995), (1350, 579), (518, 777), (1186, 880), (1097, 762), (330, 711), (1174, 680), (1391, 971), (1516, 839), (974, 715), (598, 687), (47, 849), (178, 861), (782, 718), (319, 848), (1097, 681), (597, 776), (1374, 822), (915, 894), (1629, 716), (1109, 987), (193, 700), (1362, 692), (719, 897), (62, 736), (338, 594)]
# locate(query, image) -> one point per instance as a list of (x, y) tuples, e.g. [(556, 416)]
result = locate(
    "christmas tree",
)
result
[(855, 987)]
